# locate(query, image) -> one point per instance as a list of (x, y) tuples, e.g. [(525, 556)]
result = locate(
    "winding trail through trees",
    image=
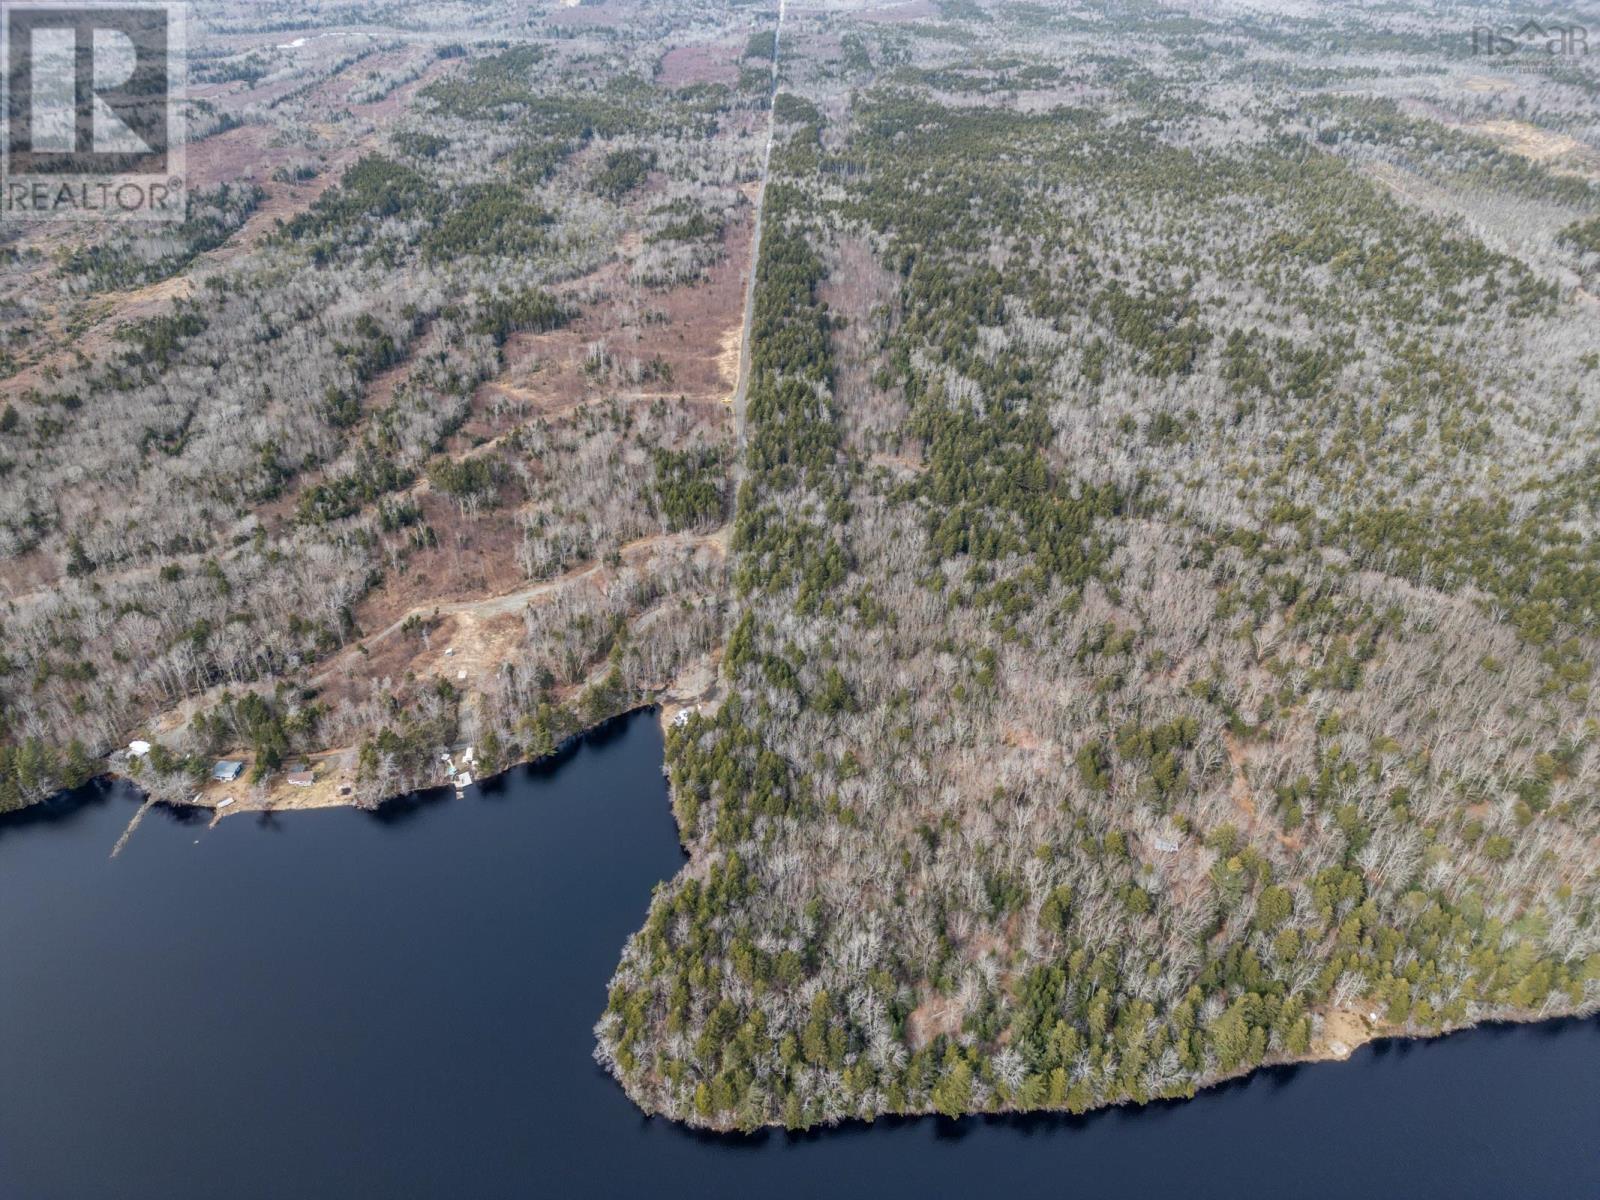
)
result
[(514, 602)]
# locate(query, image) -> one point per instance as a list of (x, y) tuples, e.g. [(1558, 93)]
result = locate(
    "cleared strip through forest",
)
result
[(742, 389)]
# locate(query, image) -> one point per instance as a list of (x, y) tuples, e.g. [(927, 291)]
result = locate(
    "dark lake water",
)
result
[(341, 1004)]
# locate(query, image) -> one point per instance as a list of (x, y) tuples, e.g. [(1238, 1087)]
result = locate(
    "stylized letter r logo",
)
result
[(87, 88)]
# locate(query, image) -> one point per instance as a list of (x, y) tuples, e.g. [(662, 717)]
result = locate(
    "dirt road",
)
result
[(512, 603)]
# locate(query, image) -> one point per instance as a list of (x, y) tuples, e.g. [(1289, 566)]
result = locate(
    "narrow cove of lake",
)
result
[(399, 1004)]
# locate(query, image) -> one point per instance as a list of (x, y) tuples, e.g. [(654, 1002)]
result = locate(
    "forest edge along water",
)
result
[(400, 1003)]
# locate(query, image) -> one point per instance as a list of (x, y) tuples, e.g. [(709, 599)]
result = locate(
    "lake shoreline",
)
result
[(1324, 1050), (222, 801), (289, 952), (1209, 1086)]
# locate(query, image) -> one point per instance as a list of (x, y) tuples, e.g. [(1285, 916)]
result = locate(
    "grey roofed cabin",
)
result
[(227, 770)]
